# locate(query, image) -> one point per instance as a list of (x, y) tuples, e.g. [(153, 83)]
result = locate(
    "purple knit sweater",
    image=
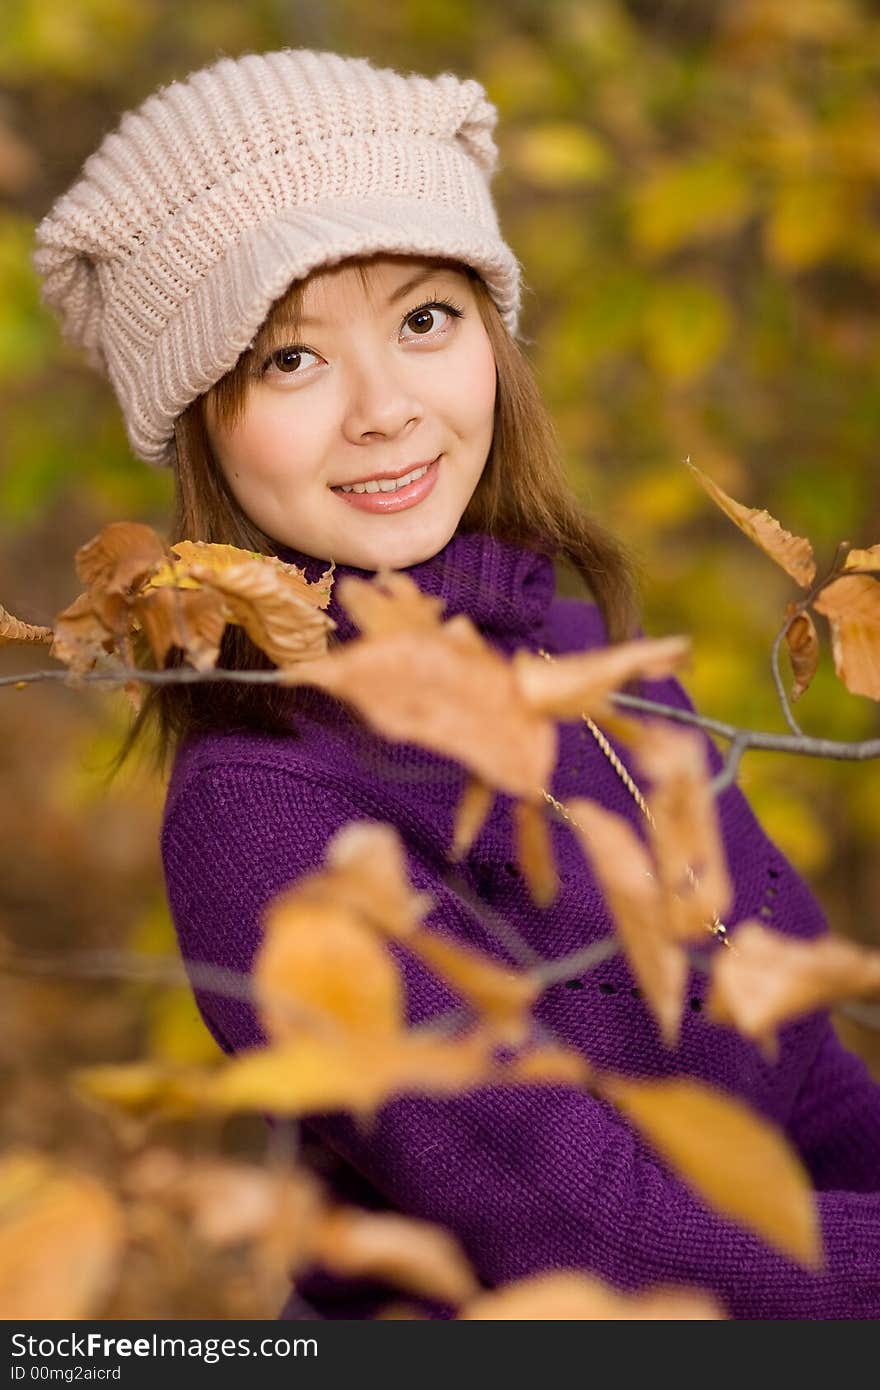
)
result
[(528, 1178)]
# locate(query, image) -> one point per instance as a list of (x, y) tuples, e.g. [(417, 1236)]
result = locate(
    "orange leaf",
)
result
[(318, 961), (792, 553), (61, 1240), (557, 1295), (771, 978), (534, 850), (852, 606), (684, 833), (738, 1163), (412, 1254), (500, 995), (625, 874)]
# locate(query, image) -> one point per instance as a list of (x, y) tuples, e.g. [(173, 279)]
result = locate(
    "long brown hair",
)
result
[(523, 496)]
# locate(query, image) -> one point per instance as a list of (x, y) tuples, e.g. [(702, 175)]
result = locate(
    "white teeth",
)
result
[(386, 484)]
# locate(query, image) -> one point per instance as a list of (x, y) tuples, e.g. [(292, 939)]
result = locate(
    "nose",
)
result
[(380, 402)]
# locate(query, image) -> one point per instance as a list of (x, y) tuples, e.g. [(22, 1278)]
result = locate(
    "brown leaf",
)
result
[(61, 1240), (318, 960), (14, 630), (566, 1295), (580, 682), (449, 691), (792, 553), (192, 619), (625, 874), (470, 816), (771, 978), (81, 637), (534, 851), (803, 649), (864, 559), (852, 607), (274, 607), (119, 557), (501, 996), (684, 830), (414, 1255), (388, 604), (737, 1162)]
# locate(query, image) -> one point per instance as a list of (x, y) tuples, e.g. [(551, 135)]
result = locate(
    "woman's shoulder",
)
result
[(573, 624)]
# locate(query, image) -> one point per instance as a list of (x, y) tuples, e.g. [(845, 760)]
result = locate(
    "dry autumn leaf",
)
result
[(802, 641), (864, 559), (366, 870), (14, 630), (792, 553), (501, 996), (625, 874), (549, 1064), (120, 557), (534, 852), (61, 1240), (852, 606), (420, 687), (82, 638), (684, 830), (771, 978), (414, 1255), (319, 959), (558, 1295), (581, 682), (192, 619), (738, 1163), (359, 1074), (470, 817)]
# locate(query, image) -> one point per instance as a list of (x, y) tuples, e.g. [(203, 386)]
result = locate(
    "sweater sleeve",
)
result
[(528, 1178), (836, 1119)]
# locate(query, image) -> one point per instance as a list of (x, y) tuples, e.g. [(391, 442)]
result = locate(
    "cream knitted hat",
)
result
[(198, 211)]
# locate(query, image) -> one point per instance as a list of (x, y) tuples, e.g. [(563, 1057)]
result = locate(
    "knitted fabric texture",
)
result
[(528, 1178), (208, 200)]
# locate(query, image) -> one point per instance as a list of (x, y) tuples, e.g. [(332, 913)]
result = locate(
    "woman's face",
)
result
[(372, 385)]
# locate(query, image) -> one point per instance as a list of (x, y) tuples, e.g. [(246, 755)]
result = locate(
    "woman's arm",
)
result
[(527, 1178), (836, 1120)]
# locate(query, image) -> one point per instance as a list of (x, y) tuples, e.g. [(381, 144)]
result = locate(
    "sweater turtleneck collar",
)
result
[(505, 589)]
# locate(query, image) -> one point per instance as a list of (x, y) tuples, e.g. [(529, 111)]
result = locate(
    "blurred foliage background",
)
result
[(693, 189)]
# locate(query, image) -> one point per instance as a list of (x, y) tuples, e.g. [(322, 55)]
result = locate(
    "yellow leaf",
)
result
[(558, 154), (792, 553), (741, 1165), (679, 204), (311, 1074), (317, 959), (808, 220), (557, 1295), (412, 1254), (685, 327), (62, 1237)]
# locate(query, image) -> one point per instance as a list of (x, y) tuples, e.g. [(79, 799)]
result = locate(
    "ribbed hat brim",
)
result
[(220, 318)]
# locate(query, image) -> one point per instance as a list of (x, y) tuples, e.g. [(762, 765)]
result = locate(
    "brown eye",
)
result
[(286, 359), (422, 321)]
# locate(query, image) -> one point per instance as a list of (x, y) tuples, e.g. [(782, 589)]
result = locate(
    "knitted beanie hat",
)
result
[(198, 211)]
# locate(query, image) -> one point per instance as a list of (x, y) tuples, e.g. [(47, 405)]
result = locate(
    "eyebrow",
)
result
[(399, 293)]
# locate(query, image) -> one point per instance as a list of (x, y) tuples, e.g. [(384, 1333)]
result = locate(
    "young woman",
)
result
[(290, 267)]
